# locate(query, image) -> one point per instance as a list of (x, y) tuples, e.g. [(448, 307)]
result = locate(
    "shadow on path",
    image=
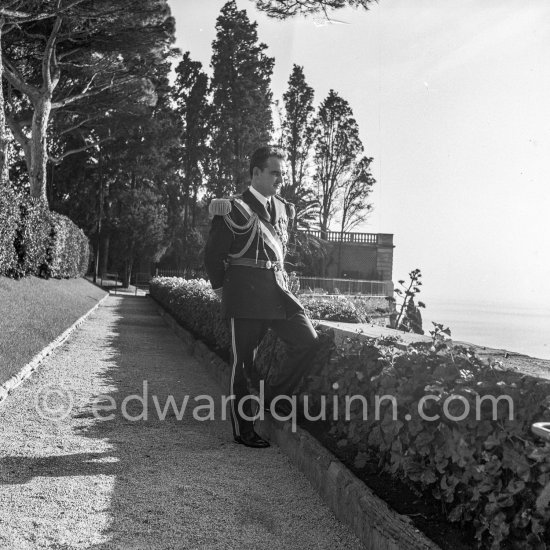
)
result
[(17, 469), (183, 483)]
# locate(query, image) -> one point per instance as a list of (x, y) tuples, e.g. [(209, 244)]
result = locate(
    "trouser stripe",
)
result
[(231, 392)]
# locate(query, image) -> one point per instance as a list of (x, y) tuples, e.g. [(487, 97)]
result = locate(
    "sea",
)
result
[(520, 328)]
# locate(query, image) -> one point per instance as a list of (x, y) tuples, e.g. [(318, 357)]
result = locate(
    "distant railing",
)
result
[(336, 236), (346, 286)]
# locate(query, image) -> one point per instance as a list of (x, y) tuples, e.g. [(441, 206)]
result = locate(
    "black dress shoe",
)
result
[(252, 439)]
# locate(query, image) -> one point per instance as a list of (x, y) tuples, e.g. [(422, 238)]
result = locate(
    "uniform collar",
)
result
[(261, 199)]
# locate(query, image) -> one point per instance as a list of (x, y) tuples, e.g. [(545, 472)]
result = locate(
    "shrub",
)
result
[(371, 306), (36, 241), (196, 307), (332, 309), (487, 469), (33, 237), (9, 222), (69, 250)]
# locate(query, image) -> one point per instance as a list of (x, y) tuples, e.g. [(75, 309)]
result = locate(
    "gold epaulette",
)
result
[(219, 207), (290, 207)]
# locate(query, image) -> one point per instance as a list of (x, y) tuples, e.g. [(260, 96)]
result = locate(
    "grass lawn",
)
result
[(33, 312)]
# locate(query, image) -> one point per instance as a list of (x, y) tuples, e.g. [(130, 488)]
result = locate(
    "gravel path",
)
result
[(81, 482)]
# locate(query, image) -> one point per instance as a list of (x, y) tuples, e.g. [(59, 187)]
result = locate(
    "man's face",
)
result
[(268, 180)]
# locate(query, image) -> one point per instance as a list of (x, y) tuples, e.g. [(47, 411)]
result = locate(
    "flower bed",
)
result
[(485, 468)]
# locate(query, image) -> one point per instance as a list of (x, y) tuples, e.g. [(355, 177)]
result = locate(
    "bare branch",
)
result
[(36, 36), (16, 79), (59, 159), (24, 17), (89, 85), (71, 5), (76, 126), (4, 12), (67, 54), (89, 93), (282, 9), (49, 57)]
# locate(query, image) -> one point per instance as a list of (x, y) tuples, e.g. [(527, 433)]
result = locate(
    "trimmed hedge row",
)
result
[(487, 469), (196, 307), (36, 241), (192, 303), (9, 221)]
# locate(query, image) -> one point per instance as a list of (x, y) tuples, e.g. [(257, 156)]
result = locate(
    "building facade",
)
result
[(362, 256)]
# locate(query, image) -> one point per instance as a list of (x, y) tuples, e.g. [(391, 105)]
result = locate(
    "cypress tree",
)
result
[(241, 99)]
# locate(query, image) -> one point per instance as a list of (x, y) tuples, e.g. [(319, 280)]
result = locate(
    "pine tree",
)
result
[(13, 14), (79, 49), (281, 9), (92, 187), (241, 99)]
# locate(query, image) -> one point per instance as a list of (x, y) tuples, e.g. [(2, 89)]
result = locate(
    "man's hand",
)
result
[(219, 292)]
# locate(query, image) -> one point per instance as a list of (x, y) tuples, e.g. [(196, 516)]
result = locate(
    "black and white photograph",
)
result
[(273, 275)]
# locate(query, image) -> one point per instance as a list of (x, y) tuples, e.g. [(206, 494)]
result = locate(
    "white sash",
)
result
[(268, 233)]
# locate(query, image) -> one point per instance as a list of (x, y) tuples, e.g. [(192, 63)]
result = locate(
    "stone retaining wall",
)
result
[(377, 525)]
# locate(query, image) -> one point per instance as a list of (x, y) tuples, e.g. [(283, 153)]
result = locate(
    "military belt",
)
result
[(262, 264)]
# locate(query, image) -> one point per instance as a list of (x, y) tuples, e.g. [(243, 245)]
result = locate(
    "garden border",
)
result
[(377, 526), (7, 387)]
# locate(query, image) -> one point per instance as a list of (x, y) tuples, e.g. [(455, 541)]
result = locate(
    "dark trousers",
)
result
[(301, 340)]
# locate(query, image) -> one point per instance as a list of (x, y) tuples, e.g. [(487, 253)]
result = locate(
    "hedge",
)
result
[(192, 303), (69, 253), (36, 241), (32, 238), (9, 222), (487, 469)]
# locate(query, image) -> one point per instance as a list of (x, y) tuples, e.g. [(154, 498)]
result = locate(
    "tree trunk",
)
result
[(128, 264), (104, 256), (98, 226), (39, 147), (339, 267), (3, 133), (194, 210), (324, 230)]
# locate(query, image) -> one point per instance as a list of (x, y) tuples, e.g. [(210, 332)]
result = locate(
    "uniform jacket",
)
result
[(242, 228)]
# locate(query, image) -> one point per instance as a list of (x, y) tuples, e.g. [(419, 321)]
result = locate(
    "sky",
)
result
[(452, 98)]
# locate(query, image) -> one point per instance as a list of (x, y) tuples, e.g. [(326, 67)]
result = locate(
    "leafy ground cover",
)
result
[(424, 512), (484, 472), (34, 312)]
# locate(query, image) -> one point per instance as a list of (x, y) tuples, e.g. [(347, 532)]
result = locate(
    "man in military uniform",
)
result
[(244, 259)]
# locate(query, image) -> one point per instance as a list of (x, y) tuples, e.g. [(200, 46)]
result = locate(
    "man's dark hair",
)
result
[(260, 157)]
